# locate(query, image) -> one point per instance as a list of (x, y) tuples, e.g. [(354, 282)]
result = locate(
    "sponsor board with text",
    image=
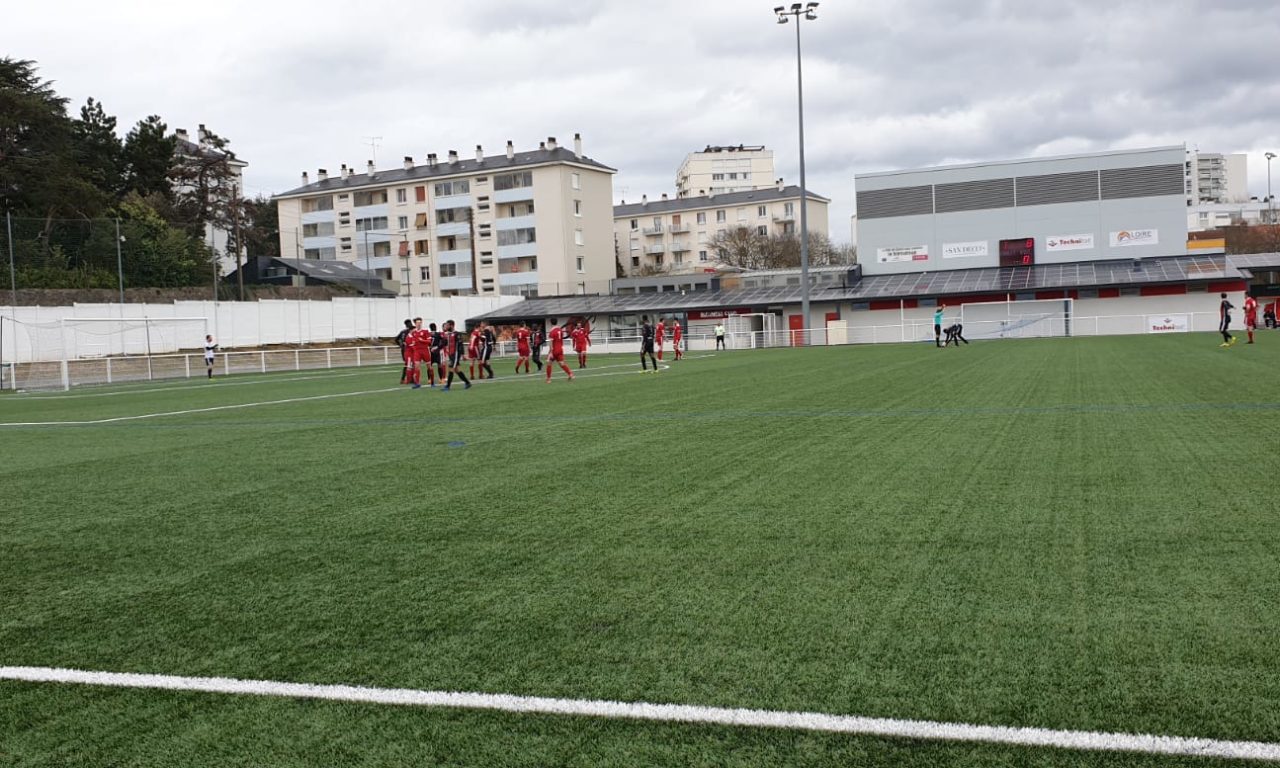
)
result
[(962, 250), (1168, 324), (907, 253), (1068, 242), (1127, 237)]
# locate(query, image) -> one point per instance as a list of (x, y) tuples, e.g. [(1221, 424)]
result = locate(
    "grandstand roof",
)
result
[(1041, 277)]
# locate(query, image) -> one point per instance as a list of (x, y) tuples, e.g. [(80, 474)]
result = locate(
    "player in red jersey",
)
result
[(581, 340), (556, 354), (418, 350), (452, 353), (1250, 315), (677, 333), (523, 348), (660, 335), (473, 351)]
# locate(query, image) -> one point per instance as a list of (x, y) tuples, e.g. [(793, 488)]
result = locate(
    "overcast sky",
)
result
[(889, 84)]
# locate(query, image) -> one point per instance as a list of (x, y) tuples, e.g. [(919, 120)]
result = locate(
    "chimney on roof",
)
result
[(542, 145), (369, 166), (551, 143), (577, 145), (203, 134), (644, 199), (305, 179), (664, 195), (511, 151), (182, 134), (479, 154), (453, 156), (408, 163), (431, 159), (780, 184), (321, 175), (346, 172)]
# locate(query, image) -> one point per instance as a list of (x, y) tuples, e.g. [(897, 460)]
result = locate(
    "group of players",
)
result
[(1224, 319), (441, 351)]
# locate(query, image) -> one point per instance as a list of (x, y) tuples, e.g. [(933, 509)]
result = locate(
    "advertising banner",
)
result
[(1068, 242), (1168, 324), (910, 253), (961, 250), (1135, 237)]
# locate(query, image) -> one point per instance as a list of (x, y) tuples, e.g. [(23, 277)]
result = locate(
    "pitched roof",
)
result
[(725, 200), (464, 167)]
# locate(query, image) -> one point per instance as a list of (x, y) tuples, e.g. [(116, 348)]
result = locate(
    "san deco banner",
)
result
[(910, 253), (1168, 324), (962, 250)]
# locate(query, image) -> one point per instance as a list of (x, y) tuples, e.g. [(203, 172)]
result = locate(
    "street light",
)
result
[(1271, 200), (809, 12)]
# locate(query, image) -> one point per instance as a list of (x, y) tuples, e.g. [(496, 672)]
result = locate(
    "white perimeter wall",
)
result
[(32, 333)]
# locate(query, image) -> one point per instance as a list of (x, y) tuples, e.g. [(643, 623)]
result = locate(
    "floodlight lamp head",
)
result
[(1271, 155), (782, 19), (795, 7)]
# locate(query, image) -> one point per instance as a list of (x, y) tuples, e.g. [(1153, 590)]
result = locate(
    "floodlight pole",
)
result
[(13, 275), (808, 12), (120, 267), (1271, 200)]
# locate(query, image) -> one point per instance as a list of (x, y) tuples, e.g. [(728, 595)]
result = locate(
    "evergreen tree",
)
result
[(148, 158), (98, 150)]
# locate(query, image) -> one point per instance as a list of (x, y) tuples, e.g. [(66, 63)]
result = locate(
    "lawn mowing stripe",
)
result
[(221, 383), (674, 713)]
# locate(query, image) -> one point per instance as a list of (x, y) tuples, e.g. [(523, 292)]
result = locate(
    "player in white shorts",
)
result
[(209, 348)]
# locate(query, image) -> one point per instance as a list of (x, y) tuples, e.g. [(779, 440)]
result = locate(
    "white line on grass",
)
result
[(189, 411), (673, 713), (188, 387)]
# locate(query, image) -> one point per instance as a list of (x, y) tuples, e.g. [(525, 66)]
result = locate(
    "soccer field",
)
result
[(1068, 534)]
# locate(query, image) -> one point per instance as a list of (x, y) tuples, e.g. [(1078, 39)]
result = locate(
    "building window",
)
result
[(702, 217), (717, 177), (762, 230), (657, 260), (678, 259), (420, 247), (402, 222), (486, 262), (742, 214), (577, 208), (372, 197), (447, 188), (762, 211), (370, 224), (402, 195), (577, 237), (312, 204), (324, 229), (513, 180), (483, 206), (424, 274), (635, 261), (517, 236), (702, 255), (720, 217), (452, 215), (733, 177), (657, 222), (321, 254), (789, 209), (420, 194), (575, 180), (746, 177), (582, 264), (635, 223)]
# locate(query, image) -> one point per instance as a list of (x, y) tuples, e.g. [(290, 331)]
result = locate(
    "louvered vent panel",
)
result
[(1146, 181), (1078, 187), (904, 201), (974, 195)]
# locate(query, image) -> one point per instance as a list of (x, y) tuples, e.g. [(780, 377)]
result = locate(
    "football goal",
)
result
[(1031, 318)]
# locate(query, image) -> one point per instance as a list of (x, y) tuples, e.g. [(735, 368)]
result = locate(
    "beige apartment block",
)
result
[(721, 170), (521, 223), (675, 235)]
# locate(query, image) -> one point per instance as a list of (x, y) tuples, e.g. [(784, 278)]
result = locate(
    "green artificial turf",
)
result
[(1072, 533)]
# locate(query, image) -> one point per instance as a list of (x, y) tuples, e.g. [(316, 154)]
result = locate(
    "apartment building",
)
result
[(520, 223), (1216, 178), (218, 237), (675, 235), (721, 170)]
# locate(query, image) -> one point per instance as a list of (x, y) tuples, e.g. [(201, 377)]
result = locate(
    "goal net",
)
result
[(80, 350), (1016, 319)]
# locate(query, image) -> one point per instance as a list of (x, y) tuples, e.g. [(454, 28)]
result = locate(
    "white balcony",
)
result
[(318, 217), (655, 249), (653, 231), (512, 195), (453, 229), (518, 250), (676, 229), (514, 222), (452, 201), (680, 248), (457, 256), (518, 278), (460, 283)]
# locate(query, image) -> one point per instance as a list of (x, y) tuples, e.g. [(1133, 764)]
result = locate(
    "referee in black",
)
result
[(488, 340), (404, 373), (646, 344)]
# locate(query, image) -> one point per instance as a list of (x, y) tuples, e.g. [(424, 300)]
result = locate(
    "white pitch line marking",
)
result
[(187, 388), (673, 713), (115, 419)]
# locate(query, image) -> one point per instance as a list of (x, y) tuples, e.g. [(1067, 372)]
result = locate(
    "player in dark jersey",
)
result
[(539, 338), (1224, 322), (646, 344), (404, 353), (955, 335), (452, 352), (437, 352), (488, 340)]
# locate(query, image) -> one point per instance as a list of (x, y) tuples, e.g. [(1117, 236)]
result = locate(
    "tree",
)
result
[(154, 252), (744, 248), (97, 150), (39, 175), (148, 158), (261, 227)]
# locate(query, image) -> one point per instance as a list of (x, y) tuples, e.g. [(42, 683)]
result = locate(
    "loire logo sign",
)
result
[(1068, 242), (1168, 324), (911, 253), (961, 250), (1135, 237)]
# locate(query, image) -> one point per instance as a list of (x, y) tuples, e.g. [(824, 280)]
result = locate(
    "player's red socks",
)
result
[(1250, 335)]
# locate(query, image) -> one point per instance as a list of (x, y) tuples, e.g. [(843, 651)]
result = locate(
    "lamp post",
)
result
[(1271, 200), (809, 12)]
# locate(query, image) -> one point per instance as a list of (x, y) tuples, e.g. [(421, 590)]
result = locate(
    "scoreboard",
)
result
[(1019, 252)]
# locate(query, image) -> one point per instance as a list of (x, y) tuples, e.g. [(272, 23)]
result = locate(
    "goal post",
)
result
[(1021, 319)]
